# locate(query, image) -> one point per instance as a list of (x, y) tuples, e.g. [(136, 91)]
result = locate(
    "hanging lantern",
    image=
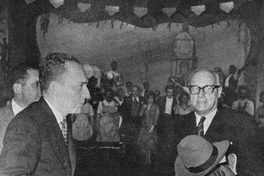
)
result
[(198, 9), (83, 6), (57, 3), (140, 11), (227, 6), (111, 10), (169, 11)]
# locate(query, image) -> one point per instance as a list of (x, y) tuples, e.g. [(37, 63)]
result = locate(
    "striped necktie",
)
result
[(200, 127), (64, 129)]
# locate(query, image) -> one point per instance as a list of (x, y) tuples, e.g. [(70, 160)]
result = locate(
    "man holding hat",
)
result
[(198, 157), (215, 124)]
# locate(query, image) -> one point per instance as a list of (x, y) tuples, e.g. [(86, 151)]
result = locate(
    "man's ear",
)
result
[(220, 89), (186, 89), (17, 88), (54, 88)]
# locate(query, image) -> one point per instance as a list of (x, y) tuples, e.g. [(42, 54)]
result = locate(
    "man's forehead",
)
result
[(76, 71), (203, 76)]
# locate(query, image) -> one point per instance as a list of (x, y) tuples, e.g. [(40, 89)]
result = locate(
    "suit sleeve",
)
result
[(249, 159), (22, 148)]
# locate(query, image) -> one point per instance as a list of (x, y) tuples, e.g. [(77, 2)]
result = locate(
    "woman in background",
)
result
[(184, 106), (147, 139)]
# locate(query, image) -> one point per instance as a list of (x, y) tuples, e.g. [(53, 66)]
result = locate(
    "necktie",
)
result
[(64, 129), (200, 127)]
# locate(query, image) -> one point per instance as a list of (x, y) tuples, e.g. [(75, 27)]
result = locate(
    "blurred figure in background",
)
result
[(184, 106), (24, 83), (260, 111), (243, 103), (114, 78), (129, 86), (230, 84), (222, 101), (147, 138), (145, 90), (109, 120)]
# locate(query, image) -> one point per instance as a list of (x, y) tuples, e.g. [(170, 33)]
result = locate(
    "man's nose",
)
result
[(86, 92), (201, 93)]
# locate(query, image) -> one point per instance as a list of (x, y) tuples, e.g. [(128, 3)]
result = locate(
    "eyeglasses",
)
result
[(208, 89)]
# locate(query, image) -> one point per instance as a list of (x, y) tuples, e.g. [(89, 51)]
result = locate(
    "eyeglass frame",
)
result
[(212, 86)]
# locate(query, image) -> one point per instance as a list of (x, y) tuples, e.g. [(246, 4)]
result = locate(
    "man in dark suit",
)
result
[(131, 107), (131, 121), (166, 127), (220, 124), (33, 142), (24, 84)]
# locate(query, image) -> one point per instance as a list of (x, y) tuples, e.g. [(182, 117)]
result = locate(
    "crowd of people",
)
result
[(55, 104)]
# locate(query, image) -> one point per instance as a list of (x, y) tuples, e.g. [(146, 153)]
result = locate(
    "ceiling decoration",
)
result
[(151, 13)]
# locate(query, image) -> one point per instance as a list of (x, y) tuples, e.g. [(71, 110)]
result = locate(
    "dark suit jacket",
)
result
[(162, 104), (238, 128), (34, 145), (6, 115), (126, 109)]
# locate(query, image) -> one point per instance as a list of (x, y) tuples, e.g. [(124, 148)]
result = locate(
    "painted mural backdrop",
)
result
[(143, 54)]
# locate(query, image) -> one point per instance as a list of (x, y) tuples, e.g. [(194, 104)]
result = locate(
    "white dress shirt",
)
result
[(56, 113), (16, 108), (208, 119), (168, 105)]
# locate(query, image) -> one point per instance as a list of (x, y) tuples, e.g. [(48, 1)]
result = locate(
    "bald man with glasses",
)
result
[(219, 124)]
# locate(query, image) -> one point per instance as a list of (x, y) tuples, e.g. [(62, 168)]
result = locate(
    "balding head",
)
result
[(201, 73), (206, 90)]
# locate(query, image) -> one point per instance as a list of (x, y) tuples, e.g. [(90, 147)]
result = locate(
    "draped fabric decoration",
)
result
[(151, 14)]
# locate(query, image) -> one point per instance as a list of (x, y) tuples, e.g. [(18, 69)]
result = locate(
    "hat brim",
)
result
[(180, 169)]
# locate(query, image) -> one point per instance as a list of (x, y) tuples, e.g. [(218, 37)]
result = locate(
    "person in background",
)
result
[(157, 93), (219, 71), (120, 94), (215, 124), (259, 116), (147, 138), (37, 140), (96, 97), (243, 104), (24, 83), (129, 86), (230, 84), (184, 106), (131, 122), (83, 123), (109, 120), (166, 127), (145, 90), (114, 77), (221, 101)]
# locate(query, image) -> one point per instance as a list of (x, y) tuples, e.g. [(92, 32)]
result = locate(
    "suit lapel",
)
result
[(56, 137), (193, 123), (216, 127)]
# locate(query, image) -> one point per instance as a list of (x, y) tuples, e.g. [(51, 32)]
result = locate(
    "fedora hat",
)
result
[(197, 157)]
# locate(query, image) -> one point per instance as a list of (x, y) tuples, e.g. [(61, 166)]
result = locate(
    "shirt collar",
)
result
[(16, 108), (57, 114), (133, 98), (209, 116)]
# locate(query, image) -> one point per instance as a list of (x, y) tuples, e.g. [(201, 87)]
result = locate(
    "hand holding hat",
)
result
[(197, 157)]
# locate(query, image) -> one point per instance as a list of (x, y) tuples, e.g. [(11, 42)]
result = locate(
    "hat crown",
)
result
[(194, 151)]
